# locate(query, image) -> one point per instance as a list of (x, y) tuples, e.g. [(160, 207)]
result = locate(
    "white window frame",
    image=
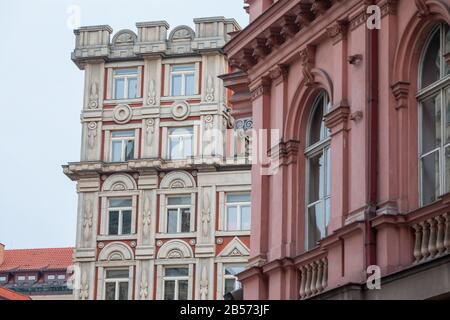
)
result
[(51, 277), (61, 277), (321, 147), (183, 74), (3, 278), (31, 278), (126, 78), (117, 282), (162, 227), (229, 276), (437, 88), (124, 141), (182, 138), (179, 207), (120, 209), (176, 279), (239, 212), (21, 278)]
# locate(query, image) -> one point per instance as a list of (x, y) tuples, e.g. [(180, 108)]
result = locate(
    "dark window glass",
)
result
[(110, 291), (431, 67), (169, 290), (113, 228), (185, 220), (126, 222), (182, 290)]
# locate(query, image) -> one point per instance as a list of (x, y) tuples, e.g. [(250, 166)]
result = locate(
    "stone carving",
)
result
[(92, 134), (93, 96), (307, 57), (423, 8), (244, 124), (180, 110), (143, 292), (146, 219), (204, 284), (206, 214), (122, 113), (209, 122), (209, 97), (119, 186), (235, 253), (150, 130), (151, 96), (87, 220), (124, 37), (176, 184), (182, 33), (175, 254), (84, 287)]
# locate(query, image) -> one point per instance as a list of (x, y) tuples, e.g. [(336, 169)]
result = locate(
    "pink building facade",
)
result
[(359, 92)]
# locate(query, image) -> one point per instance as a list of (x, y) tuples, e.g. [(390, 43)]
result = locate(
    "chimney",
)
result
[(2, 253)]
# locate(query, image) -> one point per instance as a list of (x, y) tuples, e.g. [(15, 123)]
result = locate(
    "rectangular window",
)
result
[(51, 277), (176, 283), (238, 213), (116, 284), (178, 214), (21, 278), (3, 279), (119, 216), (126, 83), (122, 146), (32, 278), (183, 80), (61, 277), (230, 281), (180, 143)]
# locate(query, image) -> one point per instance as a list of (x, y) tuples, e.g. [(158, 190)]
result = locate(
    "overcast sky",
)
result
[(40, 104)]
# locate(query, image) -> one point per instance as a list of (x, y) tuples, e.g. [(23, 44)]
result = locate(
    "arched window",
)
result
[(434, 116), (318, 173)]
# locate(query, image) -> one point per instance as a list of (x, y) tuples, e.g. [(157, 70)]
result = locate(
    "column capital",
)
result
[(338, 115)]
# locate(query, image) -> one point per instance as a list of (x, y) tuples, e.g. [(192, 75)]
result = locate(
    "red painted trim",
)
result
[(113, 105), (95, 284), (105, 85), (140, 144), (215, 281), (102, 156), (200, 78), (163, 71), (217, 212), (170, 102), (142, 81)]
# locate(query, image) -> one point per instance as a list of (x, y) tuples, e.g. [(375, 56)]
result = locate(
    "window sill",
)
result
[(175, 235), (123, 101), (232, 233), (113, 238), (175, 98)]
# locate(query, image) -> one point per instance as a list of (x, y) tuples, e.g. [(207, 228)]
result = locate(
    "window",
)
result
[(230, 281), (179, 214), (61, 277), (434, 117), (116, 284), (21, 278), (176, 283), (238, 212), (318, 173), (3, 279), (32, 278), (51, 277), (122, 146), (119, 216), (183, 80), (180, 143), (125, 83)]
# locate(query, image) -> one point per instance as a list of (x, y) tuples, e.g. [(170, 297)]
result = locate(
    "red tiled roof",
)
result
[(37, 259), (12, 295)]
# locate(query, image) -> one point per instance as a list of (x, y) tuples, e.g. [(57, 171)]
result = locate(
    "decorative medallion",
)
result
[(219, 241), (180, 110), (122, 113)]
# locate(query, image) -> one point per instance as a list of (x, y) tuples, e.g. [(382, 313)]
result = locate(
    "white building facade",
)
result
[(164, 177)]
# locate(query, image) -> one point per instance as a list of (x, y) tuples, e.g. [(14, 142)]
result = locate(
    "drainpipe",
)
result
[(372, 149)]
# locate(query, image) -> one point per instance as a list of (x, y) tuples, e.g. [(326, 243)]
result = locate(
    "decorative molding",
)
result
[(84, 287), (146, 218), (304, 14), (92, 134), (173, 248), (150, 130), (116, 251), (243, 124), (400, 90), (338, 115), (206, 217), (423, 8), (93, 96), (279, 73), (87, 220), (143, 289), (209, 97), (235, 248), (151, 96), (177, 179), (204, 284), (338, 31), (263, 87), (319, 7)]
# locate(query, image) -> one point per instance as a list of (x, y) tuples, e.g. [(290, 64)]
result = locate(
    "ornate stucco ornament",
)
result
[(151, 96), (93, 96), (143, 292), (205, 214), (146, 219), (122, 114), (92, 134), (204, 284), (87, 220), (209, 97)]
